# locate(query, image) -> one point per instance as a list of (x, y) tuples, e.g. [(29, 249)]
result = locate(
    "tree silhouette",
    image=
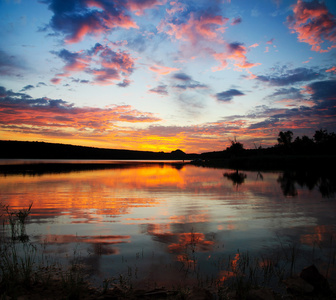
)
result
[(285, 138), (236, 147)]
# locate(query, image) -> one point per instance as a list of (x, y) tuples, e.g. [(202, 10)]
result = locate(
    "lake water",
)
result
[(160, 223)]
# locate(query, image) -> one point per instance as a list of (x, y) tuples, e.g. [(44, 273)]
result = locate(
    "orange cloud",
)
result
[(332, 69), (314, 24), (58, 117), (235, 52)]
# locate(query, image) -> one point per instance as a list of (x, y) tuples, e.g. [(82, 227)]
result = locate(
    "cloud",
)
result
[(314, 24), (112, 65), (124, 83), (187, 82), (76, 19), (162, 70), (181, 76), (322, 91), (270, 42), (332, 69), (254, 45), (199, 27), (321, 111), (291, 76), (235, 52), (236, 21), (10, 65), (56, 116), (228, 95), (27, 88), (138, 6), (161, 90)]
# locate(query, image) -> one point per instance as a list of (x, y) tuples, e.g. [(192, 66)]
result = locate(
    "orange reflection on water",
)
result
[(193, 239), (71, 238), (226, 274), (322, 233)]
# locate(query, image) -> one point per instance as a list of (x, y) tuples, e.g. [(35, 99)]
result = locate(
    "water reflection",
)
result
[(326, 182), (236, 177), (153, 216), (288, 180)]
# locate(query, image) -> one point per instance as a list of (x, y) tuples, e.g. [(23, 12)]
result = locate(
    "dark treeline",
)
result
[(42, 150), (302, 152)]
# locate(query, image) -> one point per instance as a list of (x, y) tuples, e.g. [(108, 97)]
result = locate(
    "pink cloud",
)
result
[(139, 6), (205, 27), (59, 117), (270, 42), (235, 52), (254, 45), (112, 65), (56, 80), (314, 25), (162, 70)]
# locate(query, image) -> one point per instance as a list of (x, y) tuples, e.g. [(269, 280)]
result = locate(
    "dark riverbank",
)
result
[(273, 162), (42, 150)]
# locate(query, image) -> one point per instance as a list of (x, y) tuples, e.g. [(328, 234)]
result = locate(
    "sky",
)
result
[(160, 75)]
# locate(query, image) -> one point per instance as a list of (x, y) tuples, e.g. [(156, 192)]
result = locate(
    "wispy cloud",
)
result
[(185, 82), (162, 70), (10, 65), (160, 89), (290, 76)]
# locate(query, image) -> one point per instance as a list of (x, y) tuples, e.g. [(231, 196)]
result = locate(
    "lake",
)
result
[(157, 223)]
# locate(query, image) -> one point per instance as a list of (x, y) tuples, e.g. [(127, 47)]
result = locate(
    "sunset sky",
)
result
[(161, 75)]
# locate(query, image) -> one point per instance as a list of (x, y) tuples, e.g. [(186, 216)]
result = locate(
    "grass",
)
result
[(24, 270)]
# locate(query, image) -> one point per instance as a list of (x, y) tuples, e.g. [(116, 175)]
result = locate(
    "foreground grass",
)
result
[(25, 272)]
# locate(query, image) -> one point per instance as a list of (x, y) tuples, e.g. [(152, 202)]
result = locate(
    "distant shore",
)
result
[(273, 162)]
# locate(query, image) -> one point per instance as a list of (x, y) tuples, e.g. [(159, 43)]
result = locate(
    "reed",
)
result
[(23, 266)]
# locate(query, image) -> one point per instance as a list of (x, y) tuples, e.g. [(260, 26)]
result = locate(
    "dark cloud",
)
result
[(290, 77), (188, 82), (268, 123), (181, 76), (323, 90), (228, 95), (236, 21), (322, 94), (292, 93), (191, 86), (124, 83), (77, 18), (27, 88), (161, 90), (41, 84)]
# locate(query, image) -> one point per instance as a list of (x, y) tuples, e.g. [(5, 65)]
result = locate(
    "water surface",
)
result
[(162, 223)]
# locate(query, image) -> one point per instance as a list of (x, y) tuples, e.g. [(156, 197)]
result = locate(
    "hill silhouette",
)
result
[(42, 150)]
